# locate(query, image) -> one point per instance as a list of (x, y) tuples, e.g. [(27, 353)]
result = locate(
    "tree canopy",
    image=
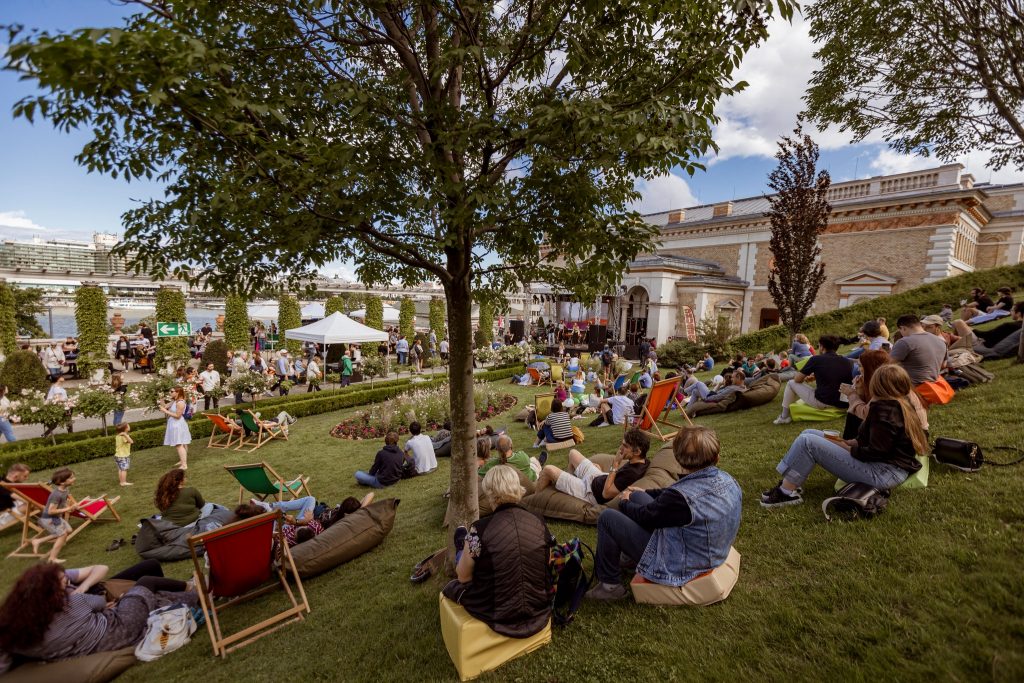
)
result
[(931, 77)]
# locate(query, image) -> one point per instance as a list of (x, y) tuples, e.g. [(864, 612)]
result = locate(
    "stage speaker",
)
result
[(597, 335), (516, 327)]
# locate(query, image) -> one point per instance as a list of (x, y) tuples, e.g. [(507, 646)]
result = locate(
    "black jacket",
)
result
[(883, 437), (387, 465)]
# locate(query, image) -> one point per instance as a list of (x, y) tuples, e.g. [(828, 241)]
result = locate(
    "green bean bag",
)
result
[(95, 668), (918, 480), (354, 535), (801, 412)]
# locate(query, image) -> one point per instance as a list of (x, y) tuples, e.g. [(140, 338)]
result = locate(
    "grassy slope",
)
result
[(932, 589)]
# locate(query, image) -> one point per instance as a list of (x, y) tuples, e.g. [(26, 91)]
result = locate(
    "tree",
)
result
[(28, 303), (374, 314), (8, 321), (91, 320), (170, 308), (485, 324), (336, 304), (470, 128), (236, 322), (932, 77), (407, 318), (22, 370), (289, 316), (799, 213), (437, 316)]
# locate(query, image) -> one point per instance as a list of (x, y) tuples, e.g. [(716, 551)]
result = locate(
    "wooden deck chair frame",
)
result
[(651, 420), (274, 478), (537, 378), (261, 435), (222, 644), (224, 432), (33, 507)]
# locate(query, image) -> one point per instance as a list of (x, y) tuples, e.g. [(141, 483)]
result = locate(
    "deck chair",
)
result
[(35, 496), (584, 356), (542, 405), (241, 559), (260, 432), (557, 372), (537, 378), (656, 411), (262, 481), (224, 431), (619, 382)]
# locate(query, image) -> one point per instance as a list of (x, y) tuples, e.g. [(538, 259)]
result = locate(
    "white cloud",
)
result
[(663, 193), (18, 220)]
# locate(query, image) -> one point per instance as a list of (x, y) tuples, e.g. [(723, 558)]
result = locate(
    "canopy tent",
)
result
[(390, 315), (269, 311), (337, 328), (313, 310)]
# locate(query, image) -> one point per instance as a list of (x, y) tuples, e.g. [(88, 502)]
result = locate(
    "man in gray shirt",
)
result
[(921, 354)]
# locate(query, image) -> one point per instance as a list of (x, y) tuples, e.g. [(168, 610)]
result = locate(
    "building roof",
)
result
[(671, 261)]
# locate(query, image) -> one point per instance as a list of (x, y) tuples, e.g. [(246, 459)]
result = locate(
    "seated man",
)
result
[(614, 410), (922, 355), (676, 534), (531, 467), (387, 466), (421, 449), (308, 525), (587, 482), (734, 383), (829, 370)]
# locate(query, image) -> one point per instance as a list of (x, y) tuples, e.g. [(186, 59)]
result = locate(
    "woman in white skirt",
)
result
[(177, 433)]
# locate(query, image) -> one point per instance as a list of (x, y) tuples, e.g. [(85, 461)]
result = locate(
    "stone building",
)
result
[(885, 235)]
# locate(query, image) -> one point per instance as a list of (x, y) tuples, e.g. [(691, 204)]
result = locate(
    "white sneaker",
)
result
[(780, 420)]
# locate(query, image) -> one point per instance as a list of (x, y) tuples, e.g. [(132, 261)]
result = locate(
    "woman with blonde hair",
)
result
[(883, 455), (502, 562)]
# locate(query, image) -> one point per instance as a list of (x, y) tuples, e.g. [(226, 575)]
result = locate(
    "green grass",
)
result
[(932, 589)]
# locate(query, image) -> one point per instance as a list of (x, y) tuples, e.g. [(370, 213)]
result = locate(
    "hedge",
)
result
[(920, 301), (8, 321), (289, 316), (91, 320), (73, 448), (407, 319), (170, 308), (374, 313), (236, 322)]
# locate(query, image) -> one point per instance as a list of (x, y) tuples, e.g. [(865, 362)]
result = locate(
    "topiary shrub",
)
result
[(22, 370), (91, 319), (676, 353), (437, 318), (170, 308), (374, 315), (335, 304), (485, 331), (289, 316), (8, 321), (407, 319), (236, 322), (216, 352)]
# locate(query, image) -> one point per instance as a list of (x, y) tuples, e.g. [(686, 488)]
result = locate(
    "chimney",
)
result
[(966, 181), (677, 216), (723, 209)]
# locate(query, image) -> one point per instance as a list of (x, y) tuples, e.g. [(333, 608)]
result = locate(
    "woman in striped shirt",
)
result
[(557, 426)]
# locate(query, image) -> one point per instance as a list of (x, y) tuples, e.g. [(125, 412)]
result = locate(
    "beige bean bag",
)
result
[(708, 589), (346, 540), (95, 668)]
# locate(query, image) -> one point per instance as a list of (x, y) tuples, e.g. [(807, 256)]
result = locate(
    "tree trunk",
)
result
[(463, 508), (103, 421)]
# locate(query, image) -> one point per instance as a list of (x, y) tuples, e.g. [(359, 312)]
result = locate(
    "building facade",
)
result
[(885, 235)]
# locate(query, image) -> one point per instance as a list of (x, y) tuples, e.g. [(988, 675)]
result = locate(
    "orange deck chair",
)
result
[(246, 559), (224, 432), (35, 496), (656, 411)]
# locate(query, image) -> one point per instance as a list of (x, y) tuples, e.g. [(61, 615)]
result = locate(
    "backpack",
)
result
[(569, 581), (857, 500), (167, 629)]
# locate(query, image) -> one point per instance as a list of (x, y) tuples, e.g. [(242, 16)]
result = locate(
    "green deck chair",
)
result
[(259, 432), (262, 481)]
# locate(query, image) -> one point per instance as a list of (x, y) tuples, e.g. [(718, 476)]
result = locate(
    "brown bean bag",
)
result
[(698, 408), (558, 505), (484, 503), (662, 473), (95, 668), (761, 391), (346, 540)]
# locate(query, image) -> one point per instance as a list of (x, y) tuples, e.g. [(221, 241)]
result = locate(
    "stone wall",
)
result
[(727, 255), (992, 255)]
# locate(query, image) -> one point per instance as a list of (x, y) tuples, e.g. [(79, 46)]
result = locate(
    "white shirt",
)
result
[(444, 346), (5, 407), (621, 407), (57, 392), (422, 453), (210, 379), (312, 370)]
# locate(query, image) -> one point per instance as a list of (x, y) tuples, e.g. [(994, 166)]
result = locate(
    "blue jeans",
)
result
[(699, 389), (402, 356), (857, 352), (364, 479), (545, 434), (812, 448), (304, 506), (119, 417), (7, 429), (618, 534)]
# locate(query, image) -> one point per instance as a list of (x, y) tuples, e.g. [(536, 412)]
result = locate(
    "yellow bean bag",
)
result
[(708, 589), (475, 648), (801, 412)]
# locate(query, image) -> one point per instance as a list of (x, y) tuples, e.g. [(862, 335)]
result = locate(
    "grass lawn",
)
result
[(933, 589)]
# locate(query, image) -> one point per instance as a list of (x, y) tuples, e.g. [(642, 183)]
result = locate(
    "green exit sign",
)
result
[(173, 329)]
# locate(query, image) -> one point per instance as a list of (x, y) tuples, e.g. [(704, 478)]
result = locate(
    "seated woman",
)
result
[(307, 525), (560, 392), (46, 616), (859, 394), (502, 562), (801, 347), (557, 426), (579, 383), (675, 534), (883, 455), (180, 504)]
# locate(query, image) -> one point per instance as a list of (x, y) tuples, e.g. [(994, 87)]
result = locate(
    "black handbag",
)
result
[(967, 456), (856, 500)]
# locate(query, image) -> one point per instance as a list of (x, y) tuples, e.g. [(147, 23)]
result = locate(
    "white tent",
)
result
[(269, 311), (390, 315), (313, 310), (337, 328)]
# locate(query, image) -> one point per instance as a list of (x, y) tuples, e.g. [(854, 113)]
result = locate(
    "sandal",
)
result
[(115, 545), (425, 568)]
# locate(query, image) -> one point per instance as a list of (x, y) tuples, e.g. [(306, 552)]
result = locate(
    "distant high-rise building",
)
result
[(62, 256)]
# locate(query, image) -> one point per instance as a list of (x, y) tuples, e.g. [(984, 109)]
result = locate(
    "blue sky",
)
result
[(43, 192)]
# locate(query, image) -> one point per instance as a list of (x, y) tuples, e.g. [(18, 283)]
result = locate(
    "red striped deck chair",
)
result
[(246, 559), (224, 432)]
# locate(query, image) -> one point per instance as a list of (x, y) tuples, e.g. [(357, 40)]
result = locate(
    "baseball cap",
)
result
[(932, 320)]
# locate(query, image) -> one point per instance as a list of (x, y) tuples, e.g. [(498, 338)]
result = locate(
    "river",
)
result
[(64, 319)]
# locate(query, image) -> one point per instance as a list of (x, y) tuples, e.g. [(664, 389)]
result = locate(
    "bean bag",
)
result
[(663, 471), (161, 540), (522, 415), (355, 534), (698, 408), (917, 480), (475, 648), (707, 589), (761, 391), (801, 412), (443, 448), (484, 502), (95, 668)]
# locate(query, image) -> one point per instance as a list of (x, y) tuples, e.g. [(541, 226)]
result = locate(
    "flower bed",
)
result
[(429, 407)]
